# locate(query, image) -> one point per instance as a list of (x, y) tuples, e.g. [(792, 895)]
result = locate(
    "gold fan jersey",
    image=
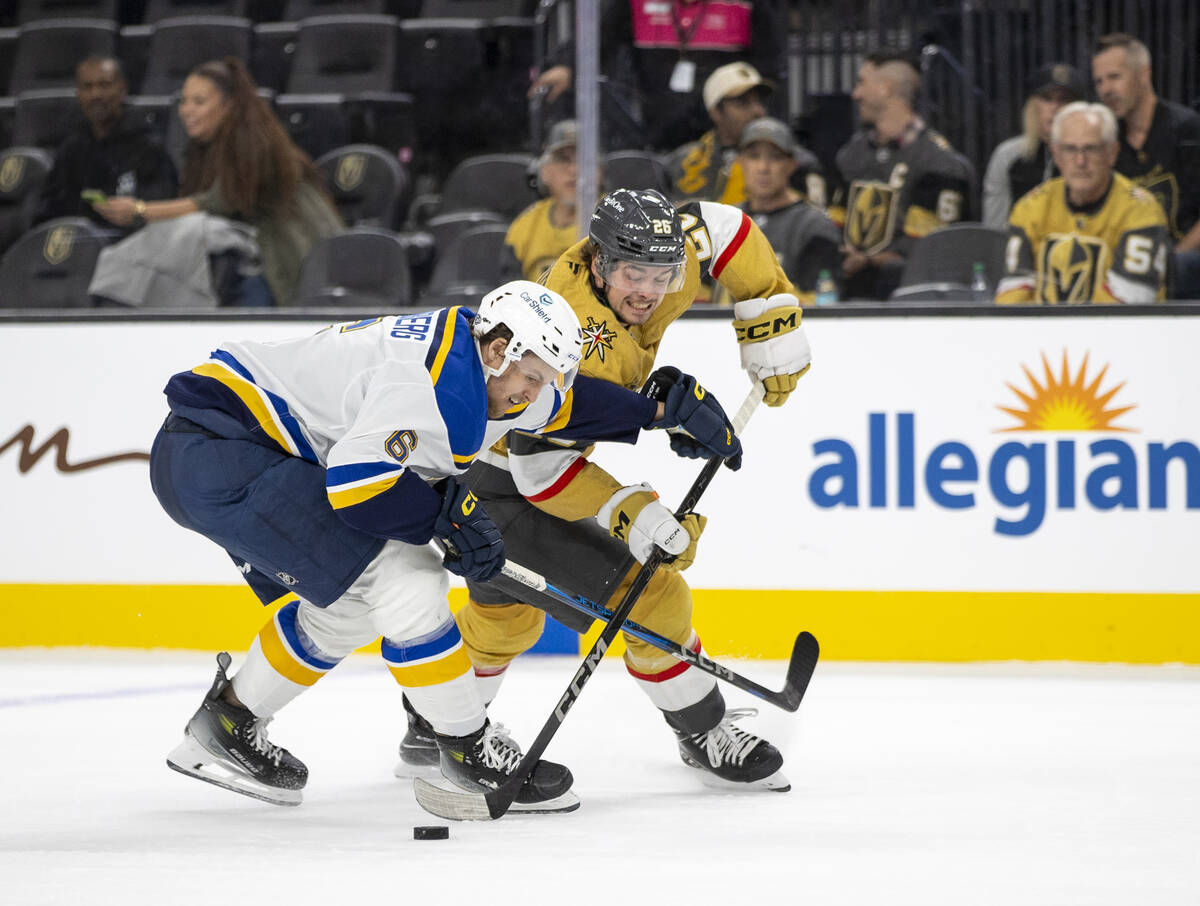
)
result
[(892, 194), (535, 242), (722, 241), (1112, 251)]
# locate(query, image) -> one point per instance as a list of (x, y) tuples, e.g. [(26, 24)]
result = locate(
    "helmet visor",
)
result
[(643, 279)]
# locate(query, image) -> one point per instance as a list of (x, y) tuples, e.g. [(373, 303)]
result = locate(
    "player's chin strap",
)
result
[(461, 805), (488, 370)]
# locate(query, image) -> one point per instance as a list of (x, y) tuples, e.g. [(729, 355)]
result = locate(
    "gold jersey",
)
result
[(1115, 250), (536, 242)]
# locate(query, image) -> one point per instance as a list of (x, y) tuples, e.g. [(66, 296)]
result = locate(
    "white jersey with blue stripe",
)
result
[(371, 399)]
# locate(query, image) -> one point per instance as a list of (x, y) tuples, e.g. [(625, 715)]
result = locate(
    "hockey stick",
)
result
[(462, 805), (803, 661)]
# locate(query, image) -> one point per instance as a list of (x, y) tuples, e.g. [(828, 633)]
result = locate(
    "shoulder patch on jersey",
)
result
[(400, 444), (597, 338)]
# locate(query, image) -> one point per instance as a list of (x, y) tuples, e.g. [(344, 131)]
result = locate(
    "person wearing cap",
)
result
[(805, 240), (898, 180), (1159, 145), (546, 228), (655, 56), (706, 169), (1024, 161)]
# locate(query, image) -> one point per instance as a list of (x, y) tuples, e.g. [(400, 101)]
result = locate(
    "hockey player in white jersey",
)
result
[(325, 465)]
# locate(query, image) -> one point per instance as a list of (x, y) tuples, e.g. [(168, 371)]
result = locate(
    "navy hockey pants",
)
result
[(267, 509)]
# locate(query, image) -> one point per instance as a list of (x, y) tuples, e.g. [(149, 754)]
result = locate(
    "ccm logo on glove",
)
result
[(776, 321)]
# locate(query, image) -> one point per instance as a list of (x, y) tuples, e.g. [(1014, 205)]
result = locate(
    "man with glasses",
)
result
[(1089, 235)]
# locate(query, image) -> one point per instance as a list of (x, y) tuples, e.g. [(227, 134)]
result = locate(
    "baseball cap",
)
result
[(768, 129), (563, 134), (731, 80), (1057, 77)]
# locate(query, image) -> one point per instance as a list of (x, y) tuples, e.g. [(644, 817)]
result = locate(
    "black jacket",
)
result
[(127, 161)]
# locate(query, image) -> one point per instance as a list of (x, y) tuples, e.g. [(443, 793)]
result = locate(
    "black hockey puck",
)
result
[(431, 832)]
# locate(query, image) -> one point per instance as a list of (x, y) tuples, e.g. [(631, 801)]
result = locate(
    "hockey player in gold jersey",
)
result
[(1089, 235), (567, 518)]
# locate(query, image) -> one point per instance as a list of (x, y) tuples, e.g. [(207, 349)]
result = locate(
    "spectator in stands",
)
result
[(656, 55), (1024, 161), (1159, 146), (1089, 235), (805, 240), (112, 151), (899, 180), (240, 163), (546, 228), (706, 169)]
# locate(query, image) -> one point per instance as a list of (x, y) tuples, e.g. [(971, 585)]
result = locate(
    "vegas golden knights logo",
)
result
[(12, 171), (1070, 268), (871, 215), (58, 245), (350, 170)]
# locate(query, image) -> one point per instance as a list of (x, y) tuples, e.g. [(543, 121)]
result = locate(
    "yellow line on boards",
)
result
[(851, 625)]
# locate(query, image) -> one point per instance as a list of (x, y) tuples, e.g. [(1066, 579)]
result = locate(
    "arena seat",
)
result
[(444, 228), (178, 45), (51, 265), (469, 267), (23, 170), (295, 10), (491, 182), (369, 185), (940, 266), (633, 169), (44, 117), (157, 10), (40, 10), (46, 53), (363, 265)]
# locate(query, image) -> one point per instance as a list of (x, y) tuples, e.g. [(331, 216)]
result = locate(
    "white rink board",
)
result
[(946, 377)]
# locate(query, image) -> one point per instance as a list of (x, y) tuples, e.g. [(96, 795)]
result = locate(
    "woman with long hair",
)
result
[(240, 163)]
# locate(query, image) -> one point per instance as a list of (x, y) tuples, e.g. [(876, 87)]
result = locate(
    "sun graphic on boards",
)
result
[(1064, 402)]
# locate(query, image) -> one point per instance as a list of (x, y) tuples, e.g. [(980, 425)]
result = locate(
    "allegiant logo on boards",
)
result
[(1072, 468)]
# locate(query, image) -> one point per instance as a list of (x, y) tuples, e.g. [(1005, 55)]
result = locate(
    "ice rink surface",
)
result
[(1037, 784)]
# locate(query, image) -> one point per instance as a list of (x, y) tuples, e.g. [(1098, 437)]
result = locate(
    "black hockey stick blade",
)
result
[(800, 670)]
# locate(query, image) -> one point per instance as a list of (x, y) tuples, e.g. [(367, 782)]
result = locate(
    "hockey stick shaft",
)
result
[(788, 698), (499, 800)]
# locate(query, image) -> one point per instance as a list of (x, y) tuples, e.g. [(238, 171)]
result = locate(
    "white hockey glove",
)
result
[(634, 515), (772, 344)]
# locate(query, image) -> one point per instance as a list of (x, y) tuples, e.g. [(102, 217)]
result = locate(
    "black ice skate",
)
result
[(482, 761), (418, 750), (731, 758), (226, 745)]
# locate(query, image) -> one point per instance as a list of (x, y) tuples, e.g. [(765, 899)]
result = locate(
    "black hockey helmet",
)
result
[(639, 226)]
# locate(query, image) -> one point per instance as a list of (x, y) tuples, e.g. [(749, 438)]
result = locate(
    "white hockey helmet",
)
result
[(541, 322)]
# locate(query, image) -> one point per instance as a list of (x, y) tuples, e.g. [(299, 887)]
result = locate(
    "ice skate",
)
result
[(226, 745), (729, 758), (418, 750), (482, 761)]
